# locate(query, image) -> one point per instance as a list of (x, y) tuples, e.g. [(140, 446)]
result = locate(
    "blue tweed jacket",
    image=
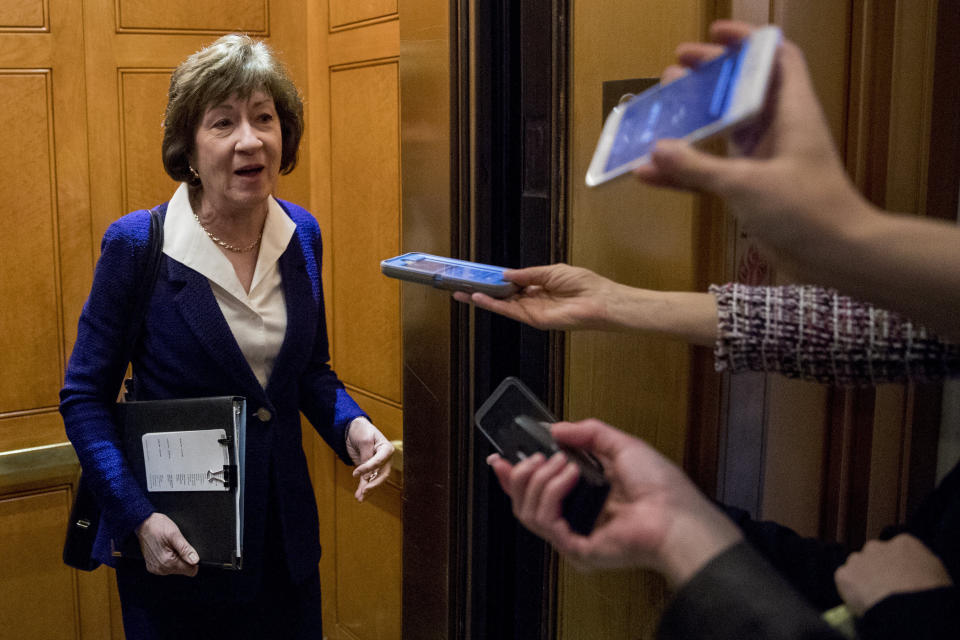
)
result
[(186, 349)]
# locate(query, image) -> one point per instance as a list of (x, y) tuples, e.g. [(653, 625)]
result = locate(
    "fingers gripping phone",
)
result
[(722, 93), (449, 273), (517, 425)]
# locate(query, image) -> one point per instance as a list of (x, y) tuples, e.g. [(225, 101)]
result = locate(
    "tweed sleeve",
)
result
[(817, 334)]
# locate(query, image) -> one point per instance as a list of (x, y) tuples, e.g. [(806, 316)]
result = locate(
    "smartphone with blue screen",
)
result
[(449, 273), (720, 94)]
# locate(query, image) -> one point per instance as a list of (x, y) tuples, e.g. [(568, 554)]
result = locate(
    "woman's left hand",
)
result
[(883, 568), (371, 452)]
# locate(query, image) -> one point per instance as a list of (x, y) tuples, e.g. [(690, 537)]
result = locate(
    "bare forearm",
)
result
[(904, 263), (691, 317)]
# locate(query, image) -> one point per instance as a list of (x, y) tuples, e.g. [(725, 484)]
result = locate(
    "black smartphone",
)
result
[(449, 273), (517, 424)]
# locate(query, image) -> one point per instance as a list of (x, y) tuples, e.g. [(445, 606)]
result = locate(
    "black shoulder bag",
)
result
[(85, 512)]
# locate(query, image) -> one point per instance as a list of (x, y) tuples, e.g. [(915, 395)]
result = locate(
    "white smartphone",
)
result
[(716, 96), (449, 273)]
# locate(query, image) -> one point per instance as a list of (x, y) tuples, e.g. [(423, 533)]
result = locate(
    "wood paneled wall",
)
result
[(770, 418), (643, 237), (849, 453), (45, 266), (45, 249), (85, 84), (849, 450), (354, 138)]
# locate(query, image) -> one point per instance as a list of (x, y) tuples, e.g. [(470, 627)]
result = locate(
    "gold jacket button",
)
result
[(263, 414)]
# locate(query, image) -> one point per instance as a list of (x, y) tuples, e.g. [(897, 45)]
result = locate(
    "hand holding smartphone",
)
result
[(517, 425), (720, 94), (449, 273)]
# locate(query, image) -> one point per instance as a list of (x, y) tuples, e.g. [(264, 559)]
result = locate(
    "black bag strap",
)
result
[(151, 268)]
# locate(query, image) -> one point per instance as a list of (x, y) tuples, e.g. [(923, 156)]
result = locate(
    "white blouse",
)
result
[(258, 319)]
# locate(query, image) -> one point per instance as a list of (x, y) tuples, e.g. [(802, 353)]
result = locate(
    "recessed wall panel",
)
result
[(249, 16), (346, 12), (22, 431), (28, 253), (142, 102), (37, 588), (387, 417), (23, 14), (365, 196), (368, 560)]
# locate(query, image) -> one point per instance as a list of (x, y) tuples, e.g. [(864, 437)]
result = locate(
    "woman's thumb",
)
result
[(186, 552), (685, 167)]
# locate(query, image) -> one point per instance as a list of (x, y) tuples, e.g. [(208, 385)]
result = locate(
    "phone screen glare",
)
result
[(473, 274), (468, 272), (676, 109)]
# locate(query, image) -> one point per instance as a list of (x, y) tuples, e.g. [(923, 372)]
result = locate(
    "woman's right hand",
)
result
[(559, 296), (555, 296), (654, 518), (165, 550), (784, 179)]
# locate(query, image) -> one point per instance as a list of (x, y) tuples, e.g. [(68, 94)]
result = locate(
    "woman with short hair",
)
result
[(237, 309)]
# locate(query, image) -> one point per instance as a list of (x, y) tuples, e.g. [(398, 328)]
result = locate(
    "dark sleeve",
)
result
[(817, 334), (95, 371), (738, 596), (323, 398), (937, 523), (921, 615), (806, 563)]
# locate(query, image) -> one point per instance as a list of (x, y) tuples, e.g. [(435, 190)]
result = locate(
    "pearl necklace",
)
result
[(227, 245)]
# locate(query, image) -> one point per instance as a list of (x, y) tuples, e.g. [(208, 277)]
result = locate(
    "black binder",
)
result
[(206, 504)]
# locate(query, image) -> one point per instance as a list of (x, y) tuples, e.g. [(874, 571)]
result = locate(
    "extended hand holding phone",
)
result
[(716, 96), (449, 273), (516, 424)]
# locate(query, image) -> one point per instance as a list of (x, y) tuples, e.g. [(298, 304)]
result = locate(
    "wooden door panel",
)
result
[(353, 136), (31, 429), (143, 98), (347, 12), (87, 128), (127, 77), (368, 560), (822, 29), (46, 264), (25, 14), (30, 341), (375, 42), (643, 237), (248, 16), (44, 209), (365, 172), (90, 143), (39, 591), (388, 416)]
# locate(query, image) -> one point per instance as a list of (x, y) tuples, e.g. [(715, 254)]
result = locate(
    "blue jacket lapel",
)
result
[(202, 314), (302, 308)]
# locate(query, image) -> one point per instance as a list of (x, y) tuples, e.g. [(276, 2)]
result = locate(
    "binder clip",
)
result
[(224, 476)]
